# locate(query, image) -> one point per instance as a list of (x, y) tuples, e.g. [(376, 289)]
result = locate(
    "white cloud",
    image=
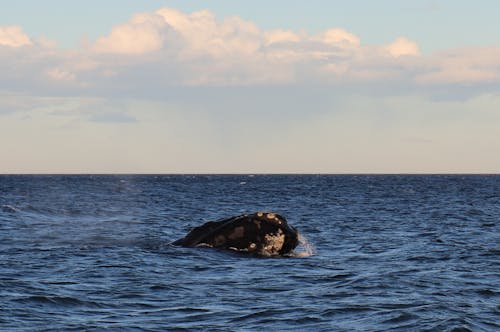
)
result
[(281, 36), (13, 36), (402, 46), (141, 35), (169, 48), (340, 37), (203, 35)]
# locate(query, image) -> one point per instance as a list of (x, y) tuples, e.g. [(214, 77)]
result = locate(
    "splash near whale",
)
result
[(259, 234)]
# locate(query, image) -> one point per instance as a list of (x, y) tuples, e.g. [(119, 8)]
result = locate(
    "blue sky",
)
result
[(250, 87)]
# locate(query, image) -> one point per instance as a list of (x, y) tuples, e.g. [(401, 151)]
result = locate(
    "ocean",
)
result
[(379, 253)]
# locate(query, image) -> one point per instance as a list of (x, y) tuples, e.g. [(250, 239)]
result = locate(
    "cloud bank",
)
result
[(169, 48)]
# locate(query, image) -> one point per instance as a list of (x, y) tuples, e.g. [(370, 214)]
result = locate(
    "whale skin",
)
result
[(258, 234)]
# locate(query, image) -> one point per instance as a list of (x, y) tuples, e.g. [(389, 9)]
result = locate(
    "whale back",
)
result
[(262, 233)]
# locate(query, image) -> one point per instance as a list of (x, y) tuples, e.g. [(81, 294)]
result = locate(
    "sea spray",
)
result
[(305, 248)]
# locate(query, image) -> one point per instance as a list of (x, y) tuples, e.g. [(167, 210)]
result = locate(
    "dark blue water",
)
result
[(391, 253)]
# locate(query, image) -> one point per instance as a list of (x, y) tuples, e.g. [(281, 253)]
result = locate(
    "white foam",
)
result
[(305, 248)]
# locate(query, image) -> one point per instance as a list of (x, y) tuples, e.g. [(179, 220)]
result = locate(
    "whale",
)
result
[(257, 234)]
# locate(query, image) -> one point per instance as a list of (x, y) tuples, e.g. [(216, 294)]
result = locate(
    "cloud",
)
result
[(203, 35), (168, 48), (143, 34), (463, 67), (340, 37), (191, 35), (402, 46), (13, 36), (281, 36)]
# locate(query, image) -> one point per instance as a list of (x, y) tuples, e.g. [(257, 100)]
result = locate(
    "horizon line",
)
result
[(241, 173)]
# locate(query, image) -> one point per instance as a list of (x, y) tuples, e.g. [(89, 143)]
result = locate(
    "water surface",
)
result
[(391, 253)]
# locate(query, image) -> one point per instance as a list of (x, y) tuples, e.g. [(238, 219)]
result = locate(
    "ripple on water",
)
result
[(377, 253), (57, 301)]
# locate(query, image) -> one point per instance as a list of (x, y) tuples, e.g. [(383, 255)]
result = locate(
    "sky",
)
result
[(250, 86)]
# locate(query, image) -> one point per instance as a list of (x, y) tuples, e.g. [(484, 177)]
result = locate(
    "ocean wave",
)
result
[(10, 208)]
